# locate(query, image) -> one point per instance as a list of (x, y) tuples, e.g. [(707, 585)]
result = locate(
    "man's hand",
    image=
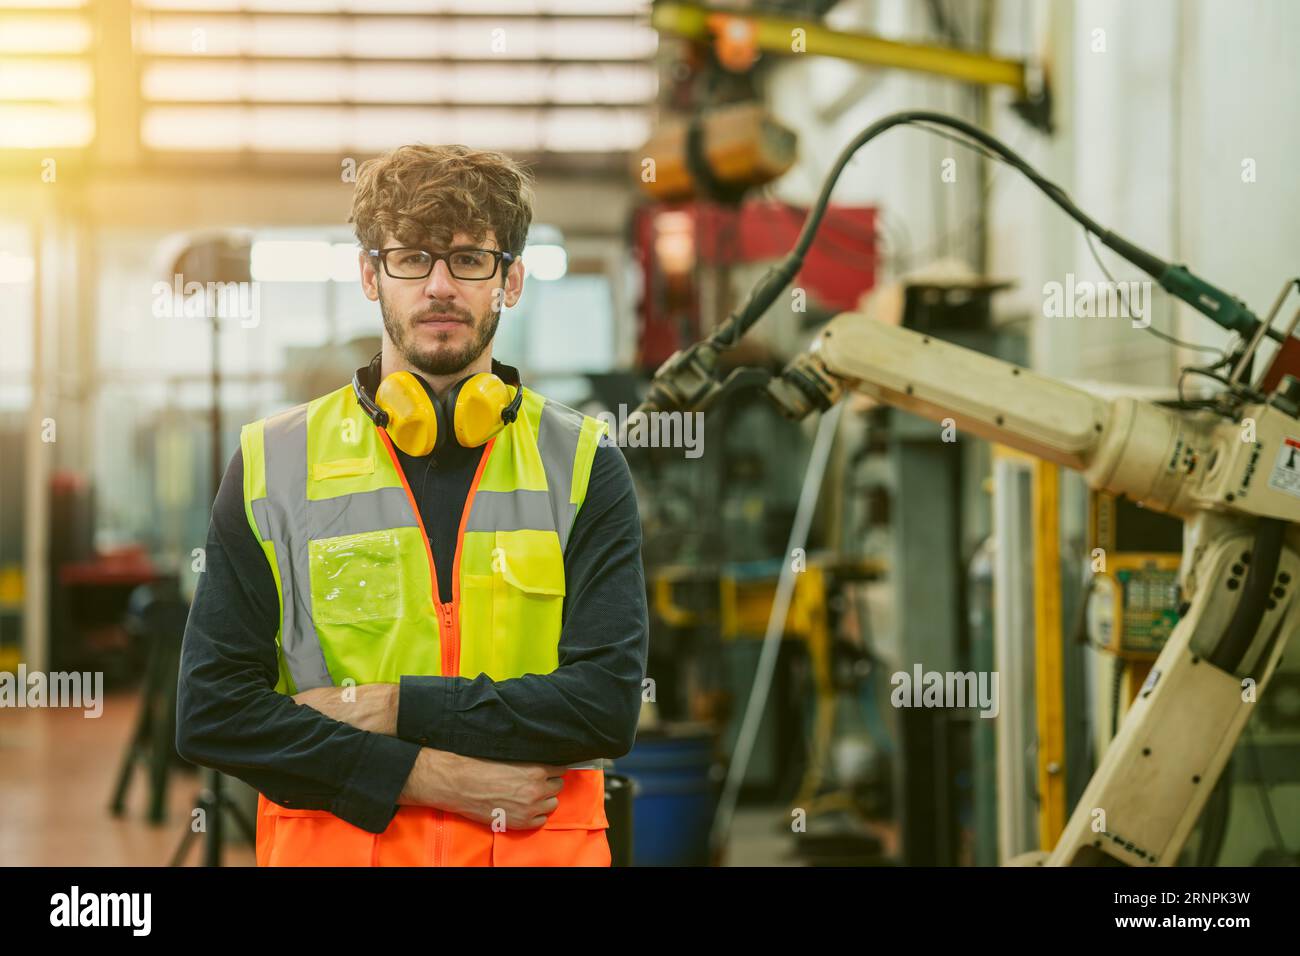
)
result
[(518, 796), (370, 707)]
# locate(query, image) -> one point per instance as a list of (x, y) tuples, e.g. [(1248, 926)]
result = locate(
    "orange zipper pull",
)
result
[(448, 640)]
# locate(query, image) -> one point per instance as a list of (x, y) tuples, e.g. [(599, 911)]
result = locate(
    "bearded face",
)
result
[(438, 337), (439, 324)]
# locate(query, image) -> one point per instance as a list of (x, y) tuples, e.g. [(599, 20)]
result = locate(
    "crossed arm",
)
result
[(469, 786)]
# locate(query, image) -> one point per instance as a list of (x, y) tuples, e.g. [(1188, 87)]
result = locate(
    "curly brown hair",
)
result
[(427, 194)]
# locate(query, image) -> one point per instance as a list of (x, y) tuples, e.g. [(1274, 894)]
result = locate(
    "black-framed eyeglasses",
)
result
[(404, 262)]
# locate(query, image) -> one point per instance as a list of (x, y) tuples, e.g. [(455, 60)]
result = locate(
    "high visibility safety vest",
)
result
[(325, 495)]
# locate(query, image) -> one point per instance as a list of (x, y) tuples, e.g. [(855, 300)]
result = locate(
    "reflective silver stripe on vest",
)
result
[(519, 510), (359, 512), (285, 507), (557, 441), (356, 513), (557, 444)]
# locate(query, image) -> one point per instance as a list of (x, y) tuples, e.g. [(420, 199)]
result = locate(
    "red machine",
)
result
[(675, 241)]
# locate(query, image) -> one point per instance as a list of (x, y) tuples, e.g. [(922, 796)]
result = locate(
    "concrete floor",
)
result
[(760, 836), (57, 773)]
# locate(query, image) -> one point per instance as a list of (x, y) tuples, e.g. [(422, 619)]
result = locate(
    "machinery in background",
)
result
[(1134, 603), (718, 145), (694, 255), (720, 153), (821, 751), (738, 40), (879, 785), (703, 236), (914, 501), (89, 586), (1238, 570), (709, 526), (1134, 599), (1226, 466)]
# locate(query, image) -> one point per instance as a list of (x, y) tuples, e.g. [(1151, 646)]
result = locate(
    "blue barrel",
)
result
[(675, 795)]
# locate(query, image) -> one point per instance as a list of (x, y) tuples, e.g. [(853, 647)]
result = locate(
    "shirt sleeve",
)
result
[(587, 708), (228, 714)]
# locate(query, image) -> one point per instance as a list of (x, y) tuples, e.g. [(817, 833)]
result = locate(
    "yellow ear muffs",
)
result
[(479, 403), (412, 416)]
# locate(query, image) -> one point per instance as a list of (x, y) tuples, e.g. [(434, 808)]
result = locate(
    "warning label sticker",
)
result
[(1286, 472)]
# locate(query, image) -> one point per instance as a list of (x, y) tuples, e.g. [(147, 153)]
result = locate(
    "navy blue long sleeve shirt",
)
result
[(230, 717)]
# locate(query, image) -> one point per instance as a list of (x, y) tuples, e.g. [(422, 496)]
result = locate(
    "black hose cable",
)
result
[(694, 365), (775, 281), (1087, 236)]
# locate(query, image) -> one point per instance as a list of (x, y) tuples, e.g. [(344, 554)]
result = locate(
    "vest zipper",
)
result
[(450, 647), (451, 610), (449, 619)]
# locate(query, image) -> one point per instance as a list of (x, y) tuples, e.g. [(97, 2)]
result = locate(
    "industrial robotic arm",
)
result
[(1231, 472), (1240, 565)]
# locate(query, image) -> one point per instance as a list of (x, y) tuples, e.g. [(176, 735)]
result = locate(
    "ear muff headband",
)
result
[(373, 411)]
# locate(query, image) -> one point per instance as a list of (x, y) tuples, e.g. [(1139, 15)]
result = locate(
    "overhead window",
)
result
[(566, 76), (46, 81)]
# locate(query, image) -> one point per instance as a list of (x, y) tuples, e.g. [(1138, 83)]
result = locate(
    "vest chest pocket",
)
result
[(356, 577), (527, 602)]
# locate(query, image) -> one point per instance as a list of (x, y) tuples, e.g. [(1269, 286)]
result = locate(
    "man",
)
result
[(421, 660)]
